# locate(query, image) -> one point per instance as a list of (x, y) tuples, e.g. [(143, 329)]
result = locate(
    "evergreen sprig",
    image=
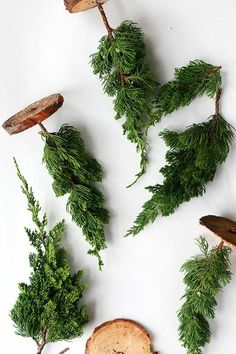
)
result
[(192, 160), (204, 276), (75, 173), (190, 82), (120, 64), (47, 309)]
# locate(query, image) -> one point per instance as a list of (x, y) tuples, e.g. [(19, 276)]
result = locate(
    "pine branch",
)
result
[(192, 161), (191, 81), (48, 308), (120, 64), (204, 276), (75, 173)]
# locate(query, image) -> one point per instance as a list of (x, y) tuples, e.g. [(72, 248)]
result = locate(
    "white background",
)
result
[(45, 50)]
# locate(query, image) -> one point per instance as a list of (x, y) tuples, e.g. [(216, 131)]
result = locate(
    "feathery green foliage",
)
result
[(190, 82), (204, 276), (120, 64), (47, 309), (74, 172), (192, 161)]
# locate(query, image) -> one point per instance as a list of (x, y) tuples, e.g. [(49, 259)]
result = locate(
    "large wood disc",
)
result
[(80, 5), (33, 114), (222, 227), (119, 337)]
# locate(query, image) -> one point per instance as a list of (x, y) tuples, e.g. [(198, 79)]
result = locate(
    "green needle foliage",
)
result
[(192, 160), (204, 276), (190, 82), (47, 309), (120, 64), (75, 172)]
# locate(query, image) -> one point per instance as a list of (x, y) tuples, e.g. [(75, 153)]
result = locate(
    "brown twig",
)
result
[(43, 342), (44, 130), (219, 247), (64, 350), (122, 78), (217, 102), (46, 133), (104, 17)]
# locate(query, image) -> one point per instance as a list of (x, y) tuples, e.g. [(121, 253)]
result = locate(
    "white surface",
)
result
[(44, 50)]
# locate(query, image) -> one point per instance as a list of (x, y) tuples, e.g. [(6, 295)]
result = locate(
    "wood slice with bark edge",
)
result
[(119, 337), (33, 114), (80, 5), (221, 227)]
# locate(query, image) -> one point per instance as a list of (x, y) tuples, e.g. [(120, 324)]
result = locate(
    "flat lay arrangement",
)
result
[(56, 301)]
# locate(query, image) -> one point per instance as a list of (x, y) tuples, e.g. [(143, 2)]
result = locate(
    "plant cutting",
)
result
[(121, 65), (73, 170), (48, 308), (205, 276), (119, 336), (195, 154)]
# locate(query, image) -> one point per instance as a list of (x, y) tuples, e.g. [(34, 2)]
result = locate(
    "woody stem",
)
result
[(104, 17)]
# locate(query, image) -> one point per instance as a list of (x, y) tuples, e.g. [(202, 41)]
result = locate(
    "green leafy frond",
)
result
[(192, 160), (75, 172), (120, 64), (51, 299), (85, 204), (204, 276), (190, 82)]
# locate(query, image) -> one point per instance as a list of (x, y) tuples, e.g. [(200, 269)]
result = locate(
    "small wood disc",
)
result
[(119, 337), (222, 227), (33, 114), (80, 5)]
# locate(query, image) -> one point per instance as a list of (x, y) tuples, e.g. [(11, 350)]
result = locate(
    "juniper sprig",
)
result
[(75, 173), (205, 277), (192, 160), (48, 307), (120, 64), (190, 82)]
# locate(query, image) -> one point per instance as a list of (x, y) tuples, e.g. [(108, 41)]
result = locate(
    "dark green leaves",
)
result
[(49, 305), (192, 160), (85, 204), (190, 82), (120, 64), (75, 172), (204, 276)]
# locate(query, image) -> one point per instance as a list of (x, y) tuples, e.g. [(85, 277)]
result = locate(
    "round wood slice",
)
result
[(119, 337), (222, 227), (80, 5), (33, 114)]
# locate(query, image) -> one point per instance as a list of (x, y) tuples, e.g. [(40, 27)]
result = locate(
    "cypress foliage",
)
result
[(75, 172), (192, 160), (125, 76), (190, 82), (47, 309), (204, 276)]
